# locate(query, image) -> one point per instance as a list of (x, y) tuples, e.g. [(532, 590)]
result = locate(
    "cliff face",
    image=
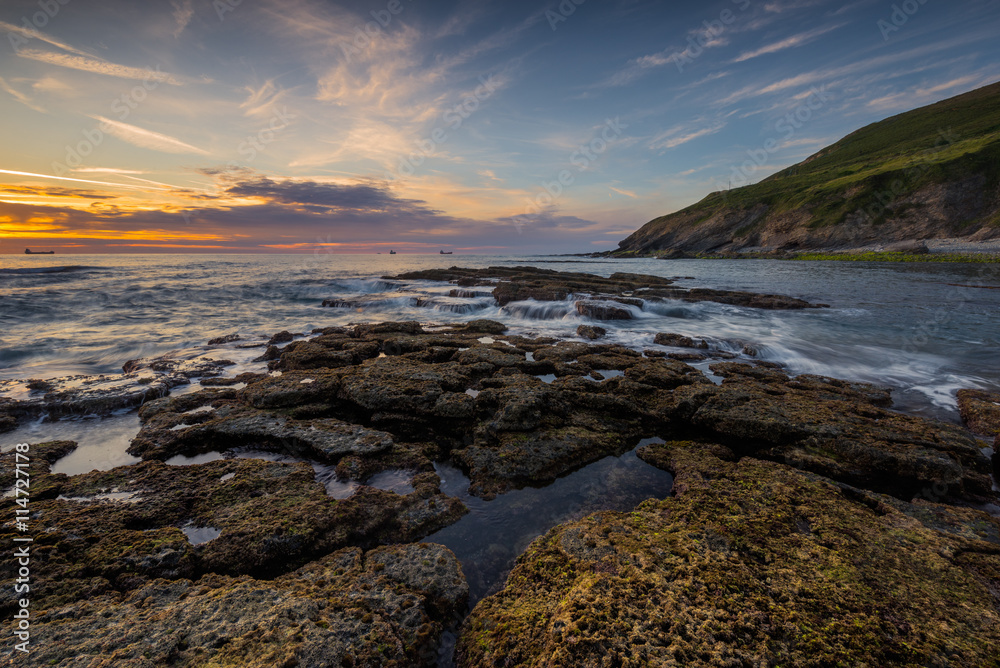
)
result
[(929, 173)]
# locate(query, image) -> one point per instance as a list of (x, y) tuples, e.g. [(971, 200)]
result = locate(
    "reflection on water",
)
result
[(199, 535), (494, 533), (101, 442)]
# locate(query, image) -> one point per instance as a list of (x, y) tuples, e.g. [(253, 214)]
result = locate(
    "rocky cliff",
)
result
[(929, 173)]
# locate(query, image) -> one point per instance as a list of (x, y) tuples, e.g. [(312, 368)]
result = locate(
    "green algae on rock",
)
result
[(841, 430), (386, 607), (117, 530), (980, 411), (752, 563)]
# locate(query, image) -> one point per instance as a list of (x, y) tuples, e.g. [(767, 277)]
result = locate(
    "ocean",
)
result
[(924, 329)]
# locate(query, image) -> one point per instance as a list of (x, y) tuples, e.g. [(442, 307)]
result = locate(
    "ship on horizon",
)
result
[(28, 251)]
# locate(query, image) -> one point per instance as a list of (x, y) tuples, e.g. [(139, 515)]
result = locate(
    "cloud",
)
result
[(54, 191), (357, 197), (682, 134), (106, 170), (67, 178), (638, 67), (98, 66), (183, 11), (20, 97), (782, 6), (926, 94), (384, 85), (146, 138), (36, 34), (787, 43), (262, 100)]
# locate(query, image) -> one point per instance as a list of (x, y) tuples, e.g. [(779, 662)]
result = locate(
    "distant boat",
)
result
[(445, 252), (28, 251), (392, 252)]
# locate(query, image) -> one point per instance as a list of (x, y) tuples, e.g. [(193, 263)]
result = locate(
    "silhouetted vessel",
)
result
[(445, 252), (392, 252), (28, 251)]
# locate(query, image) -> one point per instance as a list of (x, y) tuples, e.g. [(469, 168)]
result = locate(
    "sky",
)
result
[(300, 126)]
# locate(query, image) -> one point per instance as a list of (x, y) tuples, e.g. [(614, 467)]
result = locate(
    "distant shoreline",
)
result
[(936, 250)]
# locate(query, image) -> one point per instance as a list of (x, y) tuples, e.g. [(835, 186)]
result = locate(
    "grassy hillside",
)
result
[(888, 172)]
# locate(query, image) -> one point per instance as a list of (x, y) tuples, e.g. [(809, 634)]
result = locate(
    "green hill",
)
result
[(933, 172)]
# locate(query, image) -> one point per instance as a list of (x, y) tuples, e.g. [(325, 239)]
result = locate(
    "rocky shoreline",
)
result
[(808, 524)]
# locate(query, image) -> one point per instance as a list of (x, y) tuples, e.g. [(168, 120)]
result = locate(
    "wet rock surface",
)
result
[(775, 474), (385, 607), (678, 341), (100, 395), (751, 563), (518, 283), (590, 332), (841, 430), (115, 531), (980, 411)]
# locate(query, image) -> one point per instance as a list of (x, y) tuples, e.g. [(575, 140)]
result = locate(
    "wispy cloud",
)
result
[(183, 11), (98, 66), (68, 178), (19, 96), (639, 66), (787, 43), (782, 6), (147, 138), (263, 99), (37, 34), (682, 134), (926, 94), (106, 170)]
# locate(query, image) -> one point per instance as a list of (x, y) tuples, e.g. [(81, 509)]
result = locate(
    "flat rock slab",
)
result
[(980, 411), (520, 283), (386, 607), (117, 530), (168, 433), (753, 563), (141, 381), (840, 430)]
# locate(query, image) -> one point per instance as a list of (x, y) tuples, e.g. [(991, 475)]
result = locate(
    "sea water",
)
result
[(924, 329)]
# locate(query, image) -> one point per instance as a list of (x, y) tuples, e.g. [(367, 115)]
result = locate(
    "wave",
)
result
[(48, 270), (455, 306), (364, 286), (530, 309)]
